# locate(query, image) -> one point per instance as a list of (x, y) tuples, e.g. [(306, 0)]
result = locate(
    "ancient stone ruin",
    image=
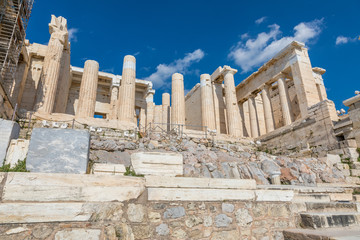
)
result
[(270, 158)]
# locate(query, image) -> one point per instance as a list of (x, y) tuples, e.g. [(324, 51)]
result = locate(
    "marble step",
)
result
[(315, 220), (323, 234), (331, 207)]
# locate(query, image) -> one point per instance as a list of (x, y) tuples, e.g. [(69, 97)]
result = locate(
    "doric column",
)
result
[(126, 103), (88, 89), (268, 113), (166, 110), (64, 83), (207, 103), (232, 110), (114, 95), (284, 100), (46, 92), (177, 99), (253, 118), (158, 116), (142, 121), (149, 108)]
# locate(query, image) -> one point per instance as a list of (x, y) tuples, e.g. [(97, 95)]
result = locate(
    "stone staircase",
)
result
[(327, 221)]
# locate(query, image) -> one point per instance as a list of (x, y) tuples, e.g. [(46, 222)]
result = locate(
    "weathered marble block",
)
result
[(58, 151), (8, 130), (108, 169), (157, 163), (17, 151)]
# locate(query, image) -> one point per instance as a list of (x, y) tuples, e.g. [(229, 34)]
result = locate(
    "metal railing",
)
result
[(175, 129)]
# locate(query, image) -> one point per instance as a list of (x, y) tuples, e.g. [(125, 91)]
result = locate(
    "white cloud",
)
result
[(260, 20), (254, 52), (344, 40), (136, 54), (72, 34), (164, 71)]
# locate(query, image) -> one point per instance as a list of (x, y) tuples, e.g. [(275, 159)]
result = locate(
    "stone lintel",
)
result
[(350, 101)]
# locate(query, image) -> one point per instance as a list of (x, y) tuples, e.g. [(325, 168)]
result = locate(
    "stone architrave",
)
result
[(46, 92), (58, 151), (88, 89), (232, 110), (207, 102), (126, 103), (177, 99)]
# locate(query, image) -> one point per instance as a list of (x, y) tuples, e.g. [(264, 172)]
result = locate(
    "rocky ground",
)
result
[(219, 159)]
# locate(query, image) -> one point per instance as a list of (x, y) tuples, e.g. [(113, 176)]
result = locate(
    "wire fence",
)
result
[(182, 130)]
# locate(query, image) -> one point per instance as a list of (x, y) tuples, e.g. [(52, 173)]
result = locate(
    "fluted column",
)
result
[(46, 92), (88, 88), (126, 103), (207, 103), (114, 94), (49, 78), (177, 99), (142, 121), (268, 113), (232, 110), (166, 110), (253, 118), (284, 100)]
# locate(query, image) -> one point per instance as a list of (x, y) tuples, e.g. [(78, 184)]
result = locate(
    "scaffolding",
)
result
[(14, 18)]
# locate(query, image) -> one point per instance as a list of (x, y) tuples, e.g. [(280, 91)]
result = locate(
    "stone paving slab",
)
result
[(8, 130), (58, 151)]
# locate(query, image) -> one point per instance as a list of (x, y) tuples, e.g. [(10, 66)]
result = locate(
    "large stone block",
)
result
[(17, 150), (198, 194), (58, 151), (156, 163), (48, 187), (185, 182), (8, 130)]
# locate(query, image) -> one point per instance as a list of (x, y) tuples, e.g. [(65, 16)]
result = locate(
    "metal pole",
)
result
[(14, 112), (73, 122)]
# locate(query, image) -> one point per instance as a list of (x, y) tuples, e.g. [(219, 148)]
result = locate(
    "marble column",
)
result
[(126, 103), (114, 94), (232, 110), (142, 121), (149, 108), (207, 103), (64, 83), (158, 117), (253, 118), (46, 92), (284, 100), (88, 89), (177, 99), (268, 112), (166, 111)]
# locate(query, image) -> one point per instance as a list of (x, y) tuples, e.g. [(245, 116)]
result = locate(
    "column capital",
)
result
[(115, 81), (227, 69)]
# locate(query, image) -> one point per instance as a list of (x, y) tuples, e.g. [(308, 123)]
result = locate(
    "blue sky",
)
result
[(195, 37)]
